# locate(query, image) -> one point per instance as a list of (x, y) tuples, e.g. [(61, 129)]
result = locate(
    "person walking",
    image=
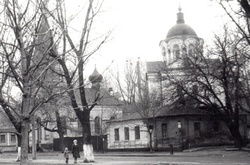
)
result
[(66, 155), (75, 151)]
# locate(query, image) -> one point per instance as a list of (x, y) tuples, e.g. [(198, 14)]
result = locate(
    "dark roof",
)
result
[(106, 98), (181, 30), (188, 107), (155, 66), (184, 110), (95, 77)]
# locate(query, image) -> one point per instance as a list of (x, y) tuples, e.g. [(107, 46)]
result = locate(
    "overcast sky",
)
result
[(140, 25)]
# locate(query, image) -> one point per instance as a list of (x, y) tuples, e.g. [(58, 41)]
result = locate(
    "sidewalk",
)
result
[(110, 158)]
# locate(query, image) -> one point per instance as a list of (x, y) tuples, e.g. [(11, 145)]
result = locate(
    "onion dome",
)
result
[(181, 28), (95, 77)]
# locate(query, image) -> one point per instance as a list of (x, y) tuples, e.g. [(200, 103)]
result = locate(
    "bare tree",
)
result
[(78, 52), (135, 96), (24, 47), (214, 80)]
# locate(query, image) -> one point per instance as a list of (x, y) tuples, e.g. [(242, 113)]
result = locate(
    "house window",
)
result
[(2, 138), (126, 133), (13, 138), (197, 129), (97, 125), (164, 130), (216, 126), (46, 135), (137, 132), (39, 130), (117, 134)]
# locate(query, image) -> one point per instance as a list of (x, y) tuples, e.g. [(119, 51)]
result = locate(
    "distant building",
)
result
[(8, 139), (107, 108), (128, 133), (179, 121)]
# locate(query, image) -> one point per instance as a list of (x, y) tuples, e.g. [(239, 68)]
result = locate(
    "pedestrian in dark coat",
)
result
[(75, 151)]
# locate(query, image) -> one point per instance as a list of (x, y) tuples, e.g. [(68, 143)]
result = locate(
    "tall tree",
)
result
[(79, 52), (25, 60), (133, 89)]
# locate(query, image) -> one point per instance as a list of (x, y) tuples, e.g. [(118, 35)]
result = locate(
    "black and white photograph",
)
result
[(125, 82)]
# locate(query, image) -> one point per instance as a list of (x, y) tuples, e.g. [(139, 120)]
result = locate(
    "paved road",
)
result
[(200, 157)]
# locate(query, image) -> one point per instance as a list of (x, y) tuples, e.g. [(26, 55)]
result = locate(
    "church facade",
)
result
[(179, 122)]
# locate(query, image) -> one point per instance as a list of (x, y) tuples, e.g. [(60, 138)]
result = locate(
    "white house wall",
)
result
[(143, 142)]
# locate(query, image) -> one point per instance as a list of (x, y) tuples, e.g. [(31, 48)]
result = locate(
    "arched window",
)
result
[(169, 55), (184, 49), (176, 51), (97, 125), (179, 90), (190, 49), (39, 130), (163, 51), (169, 52), (195, 89)]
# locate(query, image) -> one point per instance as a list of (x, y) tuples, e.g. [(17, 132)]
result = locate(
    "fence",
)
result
[(99, 143)]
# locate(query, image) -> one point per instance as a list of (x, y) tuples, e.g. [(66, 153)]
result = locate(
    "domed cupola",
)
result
[(95, 78), (181, 41), (180, 28)]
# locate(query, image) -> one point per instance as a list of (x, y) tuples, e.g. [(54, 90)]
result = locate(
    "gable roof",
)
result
[(5, 123)]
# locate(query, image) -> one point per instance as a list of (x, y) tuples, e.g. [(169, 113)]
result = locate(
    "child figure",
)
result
[(66, 155)]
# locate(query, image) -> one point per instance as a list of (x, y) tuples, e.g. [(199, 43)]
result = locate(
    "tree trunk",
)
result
[(25, 123), (24, 141), (88, 154), (235, 132), (60, 130), (19, 139), (61, 138)]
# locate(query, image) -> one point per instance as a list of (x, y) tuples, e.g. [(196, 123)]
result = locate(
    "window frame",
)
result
[(5, 138), (197, 129), (116, 134), (137, 132), (126, 133), (11, 135), (97, 125), (164, 130)]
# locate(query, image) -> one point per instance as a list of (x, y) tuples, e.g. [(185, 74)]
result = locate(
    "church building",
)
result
[(178, 122)]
